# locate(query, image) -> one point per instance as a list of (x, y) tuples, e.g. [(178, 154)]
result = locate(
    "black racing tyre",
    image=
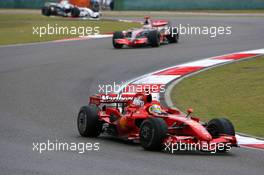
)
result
[(88, 121), (152, 134), (45, 11), (117, 35), (219, 126), (174, 35), (154, 38), (75, 12)]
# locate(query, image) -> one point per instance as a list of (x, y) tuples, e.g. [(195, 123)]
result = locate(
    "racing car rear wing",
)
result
[(159, 23), (111, 98)]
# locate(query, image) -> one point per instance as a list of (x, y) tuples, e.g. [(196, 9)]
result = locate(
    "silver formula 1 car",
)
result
[(65, 9)]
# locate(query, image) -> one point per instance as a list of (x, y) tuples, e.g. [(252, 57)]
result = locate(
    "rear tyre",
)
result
[(75, 12), (154, 38), (174, 35), (88, 122), (117, 35), (152, 134), (45, 11), (218, 127)]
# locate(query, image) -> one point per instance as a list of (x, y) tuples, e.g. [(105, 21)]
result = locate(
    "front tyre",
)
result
[(46, 11), (88, 122), (154, 38), (152, 134), (173, 37), (221, 126), (75, 12), (117, 35)]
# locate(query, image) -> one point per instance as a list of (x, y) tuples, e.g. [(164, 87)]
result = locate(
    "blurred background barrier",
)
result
[(31, 4), (148, 4), (81, 3), (23, 3), (188, 4), (38, 3)]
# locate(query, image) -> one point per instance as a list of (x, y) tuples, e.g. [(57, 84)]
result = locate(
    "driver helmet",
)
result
[(147, 22), (155, 109), (66, 4)]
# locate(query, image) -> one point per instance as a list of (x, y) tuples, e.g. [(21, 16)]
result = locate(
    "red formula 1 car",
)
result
[(142, 119), (153, 33)]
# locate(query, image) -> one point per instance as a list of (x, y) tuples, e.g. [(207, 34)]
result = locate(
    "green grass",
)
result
[(18, 28), (235, 91)]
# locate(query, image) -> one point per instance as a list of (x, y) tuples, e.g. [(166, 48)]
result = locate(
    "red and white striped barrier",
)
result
[(165, 76)]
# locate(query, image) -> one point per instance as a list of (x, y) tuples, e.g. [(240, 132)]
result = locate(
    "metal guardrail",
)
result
[(188, 4)]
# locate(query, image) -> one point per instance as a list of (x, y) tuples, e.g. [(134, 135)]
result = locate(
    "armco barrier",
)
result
[(23, 3), (188, 4)]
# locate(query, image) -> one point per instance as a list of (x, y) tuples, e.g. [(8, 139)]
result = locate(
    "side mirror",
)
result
[(104, 108), (149, 98), (189, 111)]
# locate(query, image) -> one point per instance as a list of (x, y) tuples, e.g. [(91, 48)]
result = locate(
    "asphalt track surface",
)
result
[(44, 85)]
